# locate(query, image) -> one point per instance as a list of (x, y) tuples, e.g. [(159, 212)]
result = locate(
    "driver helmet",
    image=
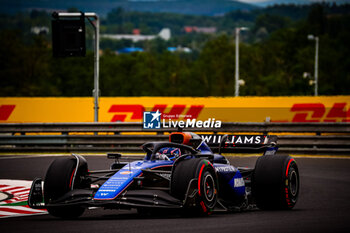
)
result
[(170, 153)]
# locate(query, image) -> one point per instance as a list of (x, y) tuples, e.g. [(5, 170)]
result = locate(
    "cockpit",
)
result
[(168, 153), (180, 143)]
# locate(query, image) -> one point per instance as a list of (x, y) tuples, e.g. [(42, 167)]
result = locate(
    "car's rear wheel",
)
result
[(206, 183), (58, 181), (275, 182)]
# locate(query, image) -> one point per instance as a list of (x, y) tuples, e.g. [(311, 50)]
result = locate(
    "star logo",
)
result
[(151, 120), (155, 115)]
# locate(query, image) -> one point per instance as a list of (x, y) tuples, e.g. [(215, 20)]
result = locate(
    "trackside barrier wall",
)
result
[(130, 109), (295, 138)]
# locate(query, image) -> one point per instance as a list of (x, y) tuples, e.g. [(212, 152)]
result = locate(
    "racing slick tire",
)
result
[(58, 181), (275, 182), (206, 183)]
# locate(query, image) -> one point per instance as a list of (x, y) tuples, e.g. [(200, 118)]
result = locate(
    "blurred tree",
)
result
[(271, 66), (271, 22), (215, 67), (317, 20)]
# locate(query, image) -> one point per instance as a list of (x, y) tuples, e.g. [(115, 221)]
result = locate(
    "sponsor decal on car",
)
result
[(235, 139), (270, 152), (126, 172), (225, 169), (239, 182)]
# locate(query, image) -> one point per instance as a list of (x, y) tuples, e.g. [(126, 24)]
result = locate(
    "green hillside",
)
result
[(274, 54), (193, 7)]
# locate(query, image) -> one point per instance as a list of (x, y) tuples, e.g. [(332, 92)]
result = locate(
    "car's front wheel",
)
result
[(203, 174), (58, 181)]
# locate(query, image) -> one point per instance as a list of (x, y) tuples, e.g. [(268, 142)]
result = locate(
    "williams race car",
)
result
[(183, 174)]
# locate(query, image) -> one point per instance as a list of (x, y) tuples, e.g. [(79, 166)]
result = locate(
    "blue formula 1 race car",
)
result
[(183, 174)]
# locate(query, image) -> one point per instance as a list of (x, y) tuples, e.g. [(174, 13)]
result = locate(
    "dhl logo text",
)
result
[(5, 111), (317, 112)]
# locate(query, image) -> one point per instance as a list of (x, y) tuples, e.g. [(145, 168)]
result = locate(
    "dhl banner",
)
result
[(130, 109)]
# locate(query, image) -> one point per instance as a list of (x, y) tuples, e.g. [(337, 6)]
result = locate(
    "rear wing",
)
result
[(240, 143)]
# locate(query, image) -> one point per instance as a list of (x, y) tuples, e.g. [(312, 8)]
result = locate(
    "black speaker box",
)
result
[(68, 37)]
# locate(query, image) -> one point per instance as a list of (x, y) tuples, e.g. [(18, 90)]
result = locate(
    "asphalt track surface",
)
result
[(323, 205)]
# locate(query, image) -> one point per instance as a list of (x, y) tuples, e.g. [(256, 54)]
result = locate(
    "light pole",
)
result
[(237, 80), (96, 27), (315, 38)]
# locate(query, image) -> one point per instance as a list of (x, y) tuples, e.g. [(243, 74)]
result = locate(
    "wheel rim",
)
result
[(209, 188), (293, 183)]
